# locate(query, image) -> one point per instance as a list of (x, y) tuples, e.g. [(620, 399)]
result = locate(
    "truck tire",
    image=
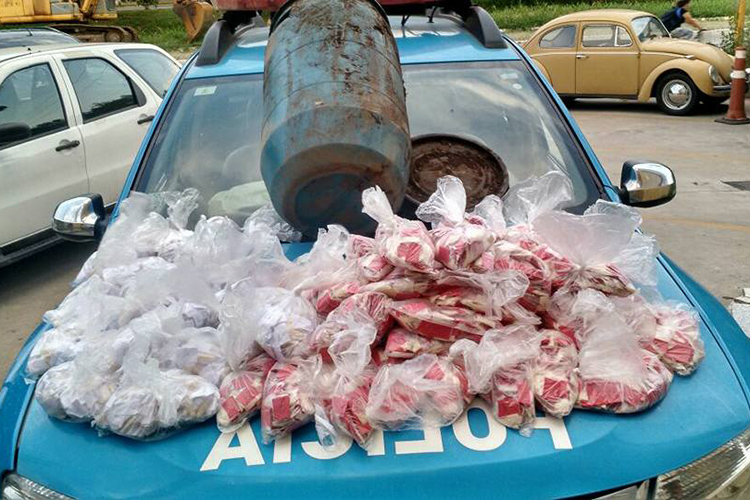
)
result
[(676, 94)]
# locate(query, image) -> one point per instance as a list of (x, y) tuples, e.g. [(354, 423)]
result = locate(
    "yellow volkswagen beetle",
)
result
[(629, 54)]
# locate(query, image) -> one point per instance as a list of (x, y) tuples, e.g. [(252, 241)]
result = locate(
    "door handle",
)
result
[(66, 144), (144, 119), (581, 56)]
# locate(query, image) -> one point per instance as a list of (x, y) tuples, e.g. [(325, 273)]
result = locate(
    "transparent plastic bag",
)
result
[(241, 393), (220, 249), (459, 239), (349, 384), (500, 370), (509, 256), (403, 344), (556, 379), (440, 322), (77, 390), (404, 243), (617, 375), (288, 399), (400, 285), (74, 392), (268, 216), (325, 265), (329, 299), (200, 352), (676, 338), (601, 243), (53, 348), (151, 404), (426, 391), (527, 200), (490, 209)]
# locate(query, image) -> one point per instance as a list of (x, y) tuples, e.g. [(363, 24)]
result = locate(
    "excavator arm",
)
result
[(196, 15)]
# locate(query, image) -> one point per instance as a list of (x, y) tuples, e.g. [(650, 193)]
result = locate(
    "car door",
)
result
[(607, 61), (42, 160), (557, 52), (115, 114)]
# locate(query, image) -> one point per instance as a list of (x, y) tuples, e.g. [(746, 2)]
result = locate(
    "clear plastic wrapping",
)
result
[(241, 393), (445, 323), (288, 399), (404, 243), (459, 239), (556, 380), (500, 370), (617, 375), (427, 391), (403, 344), (151, 404)]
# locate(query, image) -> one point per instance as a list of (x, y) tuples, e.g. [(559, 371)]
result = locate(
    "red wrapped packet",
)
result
[(440, 322), (374, 267), (399, 285), (426, 391), (241, 393), (677, 339), (556, 380), (329, 299), (627, 396), (404, 243), (605, 278), (512, 399), (287, 401), (348, 408), (403, 344)]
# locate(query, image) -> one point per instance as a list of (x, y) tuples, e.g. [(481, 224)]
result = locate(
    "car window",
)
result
[(602, 35), (558, 38), (210, 136), (623, 38), (101, 88), (30, 97), (151, 65), (647, 27)]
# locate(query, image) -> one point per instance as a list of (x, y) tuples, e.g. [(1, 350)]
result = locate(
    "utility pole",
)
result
[(736, 112)]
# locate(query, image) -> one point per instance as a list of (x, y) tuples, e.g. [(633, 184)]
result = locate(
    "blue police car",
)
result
[(463, 78)]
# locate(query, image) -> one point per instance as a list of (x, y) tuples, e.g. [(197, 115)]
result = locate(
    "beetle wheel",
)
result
[(676, 94)]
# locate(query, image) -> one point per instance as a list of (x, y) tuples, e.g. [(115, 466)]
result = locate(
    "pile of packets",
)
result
[(518, 302)]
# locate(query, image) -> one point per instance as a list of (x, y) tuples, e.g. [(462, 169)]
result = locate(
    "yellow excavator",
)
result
[(71, 16)]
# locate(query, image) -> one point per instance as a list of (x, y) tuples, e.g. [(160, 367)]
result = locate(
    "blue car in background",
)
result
[(463, 77)]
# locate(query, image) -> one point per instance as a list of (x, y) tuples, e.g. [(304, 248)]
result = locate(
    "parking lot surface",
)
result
[(705, 229)]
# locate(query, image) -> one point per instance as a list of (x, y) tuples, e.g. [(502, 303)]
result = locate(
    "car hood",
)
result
[(586, 452), (703, 51)]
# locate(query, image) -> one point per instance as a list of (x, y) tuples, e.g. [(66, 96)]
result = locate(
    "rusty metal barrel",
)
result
[(334, 113)]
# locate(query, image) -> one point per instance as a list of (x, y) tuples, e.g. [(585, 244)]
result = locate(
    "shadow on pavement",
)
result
[(650, 107)]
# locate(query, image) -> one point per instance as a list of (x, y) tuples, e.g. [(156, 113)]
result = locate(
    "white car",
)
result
[(71, 120)]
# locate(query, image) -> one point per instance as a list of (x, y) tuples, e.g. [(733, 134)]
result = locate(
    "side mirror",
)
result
[(646, 184), (82, 218), (14, 132)]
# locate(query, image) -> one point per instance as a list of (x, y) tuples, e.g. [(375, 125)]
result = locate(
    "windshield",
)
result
[(210, 139), (648, 27)]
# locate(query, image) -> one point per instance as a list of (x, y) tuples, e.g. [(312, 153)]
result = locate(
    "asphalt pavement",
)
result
[(705, 229)]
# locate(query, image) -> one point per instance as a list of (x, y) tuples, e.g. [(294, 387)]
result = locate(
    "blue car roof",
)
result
[(444, 40)]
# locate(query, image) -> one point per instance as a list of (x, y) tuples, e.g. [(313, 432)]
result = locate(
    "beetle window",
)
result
[(559, 38), (599, 36), (29, 97), (623, 37)]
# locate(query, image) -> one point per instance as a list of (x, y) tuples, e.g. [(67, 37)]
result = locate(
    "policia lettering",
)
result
[(249, 451)]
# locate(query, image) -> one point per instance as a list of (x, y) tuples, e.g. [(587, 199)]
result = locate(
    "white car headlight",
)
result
[(16, 487), (723, 474), (713, 73)]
